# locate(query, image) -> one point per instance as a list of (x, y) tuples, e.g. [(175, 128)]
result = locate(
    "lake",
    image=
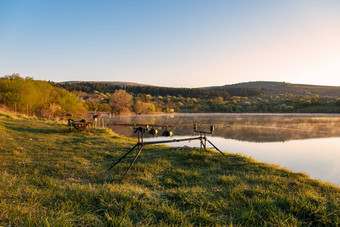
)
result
[(308, 143)]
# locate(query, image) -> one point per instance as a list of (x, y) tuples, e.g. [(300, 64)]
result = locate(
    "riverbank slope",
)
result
[(53, 176)]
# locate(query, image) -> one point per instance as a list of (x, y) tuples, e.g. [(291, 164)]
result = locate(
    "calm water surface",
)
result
[(308, 143)]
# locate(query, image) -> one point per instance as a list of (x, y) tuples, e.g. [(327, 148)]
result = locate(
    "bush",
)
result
[(39, 98), (337, 101)]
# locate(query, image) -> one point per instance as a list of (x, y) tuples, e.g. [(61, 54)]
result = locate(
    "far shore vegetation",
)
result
[(53, 176), (275, 98), (58, 100)]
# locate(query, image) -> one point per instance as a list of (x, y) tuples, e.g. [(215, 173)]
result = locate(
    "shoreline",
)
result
[(233, 114)]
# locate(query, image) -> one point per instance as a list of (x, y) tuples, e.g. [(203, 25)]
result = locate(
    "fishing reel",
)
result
[(167, 133), (153, 131), (145, 128)]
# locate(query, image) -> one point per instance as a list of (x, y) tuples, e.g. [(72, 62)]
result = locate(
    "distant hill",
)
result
[(266, 87), (111, 87), (118, 83), (276, 88)]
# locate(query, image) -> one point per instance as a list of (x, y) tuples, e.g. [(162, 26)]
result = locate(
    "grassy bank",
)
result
[(53, 176)]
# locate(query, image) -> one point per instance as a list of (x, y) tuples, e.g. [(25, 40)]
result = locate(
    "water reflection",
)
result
[(244, 127), (319, 158), (312, 142)]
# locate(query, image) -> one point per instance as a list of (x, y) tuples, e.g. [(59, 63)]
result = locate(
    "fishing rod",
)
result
[(141, 129), (143, 125), (220, 126), (157, 125)]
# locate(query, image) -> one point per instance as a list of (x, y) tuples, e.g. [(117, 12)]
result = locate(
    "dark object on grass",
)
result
[(80, 125), (96, 116)]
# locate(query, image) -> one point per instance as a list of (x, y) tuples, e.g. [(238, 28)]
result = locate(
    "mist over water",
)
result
[(308, 143)]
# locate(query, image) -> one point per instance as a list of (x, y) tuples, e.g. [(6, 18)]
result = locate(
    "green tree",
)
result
[(147, 108), (38, 98), (337, 101), (121, 102), (137, 107)]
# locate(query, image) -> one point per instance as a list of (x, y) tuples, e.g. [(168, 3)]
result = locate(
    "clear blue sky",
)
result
[(186, 43)]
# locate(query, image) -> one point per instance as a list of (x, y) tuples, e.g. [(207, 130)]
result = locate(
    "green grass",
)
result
[(330, 108), (55, 177)]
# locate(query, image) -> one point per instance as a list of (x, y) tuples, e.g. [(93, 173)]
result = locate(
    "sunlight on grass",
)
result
[(53, 176)]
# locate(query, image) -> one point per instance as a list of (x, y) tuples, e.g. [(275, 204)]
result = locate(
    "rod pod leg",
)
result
[(217, 148), (133, 161), (122, 157), (204, 143)]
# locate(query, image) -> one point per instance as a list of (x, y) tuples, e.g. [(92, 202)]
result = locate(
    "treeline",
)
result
[(225, 93), (91, 87), (244, 91), (121, 102), (100, 96), (38, 98)]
